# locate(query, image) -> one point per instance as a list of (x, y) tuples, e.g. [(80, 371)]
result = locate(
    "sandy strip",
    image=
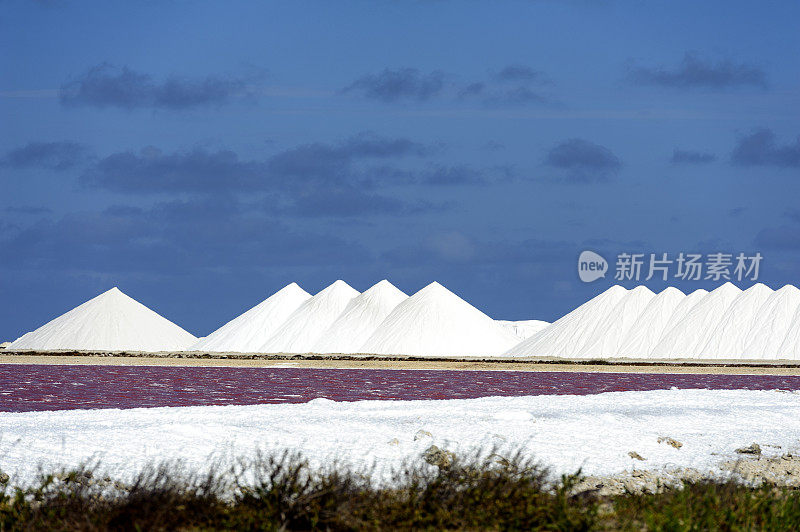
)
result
[(377, 363)]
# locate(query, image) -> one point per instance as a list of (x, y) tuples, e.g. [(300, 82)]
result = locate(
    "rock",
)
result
[(670, 442), (753, 448), (4, 478), (394, 441), (437, 457), (422, 434), (635, 455), (780, 470)]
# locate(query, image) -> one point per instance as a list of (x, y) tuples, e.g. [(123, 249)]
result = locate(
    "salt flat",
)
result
[(566, 433)]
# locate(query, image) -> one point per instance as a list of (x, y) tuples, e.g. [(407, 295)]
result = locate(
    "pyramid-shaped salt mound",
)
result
[(687, 338), (608, 335), (771, 328), (567, 336), (645, 332), (360, 319), (523, 329), (436, 322), (111, 321), (248, 333), (681, 311), (790, 347), (304, 327), (728, 338)]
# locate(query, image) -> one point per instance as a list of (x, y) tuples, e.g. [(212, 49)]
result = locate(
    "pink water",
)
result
[(36, 387)]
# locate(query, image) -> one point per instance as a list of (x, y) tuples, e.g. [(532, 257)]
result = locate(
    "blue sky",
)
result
[(201, 155)]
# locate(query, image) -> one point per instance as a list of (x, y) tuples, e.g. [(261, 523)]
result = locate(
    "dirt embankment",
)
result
[(378, 362)]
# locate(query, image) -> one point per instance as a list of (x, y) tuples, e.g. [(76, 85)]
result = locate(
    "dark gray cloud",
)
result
[(310, 180), (398, 85), (107, 85), (500, 96), (473, 90), (691, 157), (6, 228), (793, 214), (198, 170), (695, 71), (493, 145), (28, 209), (442, 175), (205, 171), (455, 247), (583, 161), (760, 148), (349, 202), (171, 238), (52, 155), (512, 85), (784, 237), (518, 73), (333, 162), (515, 96)]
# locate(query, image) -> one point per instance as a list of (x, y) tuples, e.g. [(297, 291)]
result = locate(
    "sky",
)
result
[(201, 155)]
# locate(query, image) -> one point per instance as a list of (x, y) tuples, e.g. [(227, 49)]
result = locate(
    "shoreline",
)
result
[(719, 367)]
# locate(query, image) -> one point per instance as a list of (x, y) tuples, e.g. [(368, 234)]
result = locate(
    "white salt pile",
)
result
[(683, 308), (360, 319), (727, 323), (567, 336), (650, 324), (607, 337), (729, 336), (687, 338), (436, 322), (305, 326), (249, 331), (111, 321), (791, 344), (523, 329), (770, 328)]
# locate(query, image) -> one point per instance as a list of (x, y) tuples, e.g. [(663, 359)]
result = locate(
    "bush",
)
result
[(282, 492)]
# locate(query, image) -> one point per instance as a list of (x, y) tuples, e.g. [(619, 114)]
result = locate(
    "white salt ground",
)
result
[(594, 433)]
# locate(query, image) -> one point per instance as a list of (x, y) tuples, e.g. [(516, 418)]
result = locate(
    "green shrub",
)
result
[(282, 492)]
